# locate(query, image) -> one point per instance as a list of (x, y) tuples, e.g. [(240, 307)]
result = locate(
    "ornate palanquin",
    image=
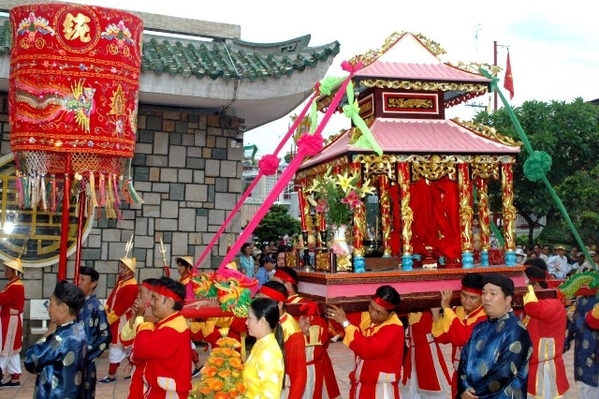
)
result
[(429, 221)]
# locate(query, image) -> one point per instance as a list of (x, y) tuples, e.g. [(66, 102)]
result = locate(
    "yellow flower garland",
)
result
[(222, 373)]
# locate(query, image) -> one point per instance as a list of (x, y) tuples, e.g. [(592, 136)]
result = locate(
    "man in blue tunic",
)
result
[(494, 361), (586, 347), (95, 324), (58, 359)]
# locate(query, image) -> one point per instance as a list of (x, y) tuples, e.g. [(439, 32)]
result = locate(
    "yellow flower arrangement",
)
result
[(337, 195), (222, 373)]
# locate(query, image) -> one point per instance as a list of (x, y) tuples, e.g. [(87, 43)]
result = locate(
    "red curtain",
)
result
[(422, 203), (436, 217)]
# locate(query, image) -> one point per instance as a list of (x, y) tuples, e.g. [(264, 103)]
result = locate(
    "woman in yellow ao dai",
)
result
[(264, 369)]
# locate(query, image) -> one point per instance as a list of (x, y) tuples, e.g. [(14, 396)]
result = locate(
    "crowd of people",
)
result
[(496, 352), (561, 262)]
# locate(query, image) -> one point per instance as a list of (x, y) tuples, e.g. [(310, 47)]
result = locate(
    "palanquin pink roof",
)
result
[(416, 71), (412, 136), (406, 57)]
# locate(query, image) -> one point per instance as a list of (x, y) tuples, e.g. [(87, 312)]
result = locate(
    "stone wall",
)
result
[(188, 170)]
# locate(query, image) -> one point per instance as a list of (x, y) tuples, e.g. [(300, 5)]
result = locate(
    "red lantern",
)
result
[(73, 94), (73, 90)]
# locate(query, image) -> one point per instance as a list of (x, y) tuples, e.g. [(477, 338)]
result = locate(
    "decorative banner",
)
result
[(73, 88)]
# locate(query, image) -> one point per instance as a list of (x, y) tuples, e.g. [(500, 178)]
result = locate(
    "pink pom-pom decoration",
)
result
[(310, 144), (268, 164)]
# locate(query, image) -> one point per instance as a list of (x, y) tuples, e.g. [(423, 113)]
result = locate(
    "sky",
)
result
[(553, 45)]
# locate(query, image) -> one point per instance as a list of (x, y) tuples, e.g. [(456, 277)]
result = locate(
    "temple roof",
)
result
[(257, 82), (421, 136)]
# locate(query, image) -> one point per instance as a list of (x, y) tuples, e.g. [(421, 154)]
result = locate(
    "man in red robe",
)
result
[(185, 268), (12, 303), (118, 311), (376, 338), (425, 374), (455, 325), (321, 379), (295, 346), (545, 321), (164, 346)]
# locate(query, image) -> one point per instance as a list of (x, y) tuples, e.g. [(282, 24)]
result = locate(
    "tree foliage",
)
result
[(580, 195), (569, 133), (275, 224)]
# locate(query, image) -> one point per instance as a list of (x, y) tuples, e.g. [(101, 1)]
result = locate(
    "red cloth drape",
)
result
[(447, 217), (436, 217), (422, 203)]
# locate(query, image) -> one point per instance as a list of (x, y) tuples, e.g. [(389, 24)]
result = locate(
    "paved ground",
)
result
[(341, 357)]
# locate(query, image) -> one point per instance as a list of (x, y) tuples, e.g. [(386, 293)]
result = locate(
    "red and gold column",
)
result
[(465, 192), (509, 213), (483, 219), (304, 209), (306, 225), (359, 220), (385, 207), (359, 214), (407, 216)]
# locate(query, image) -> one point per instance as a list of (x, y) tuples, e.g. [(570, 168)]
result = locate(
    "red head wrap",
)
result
[(384, 304), (286, 278), (150, 287), (164, 291), (273, 294), (472, 290)]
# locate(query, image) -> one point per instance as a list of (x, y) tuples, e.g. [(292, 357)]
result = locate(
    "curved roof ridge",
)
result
[(227, 60), (487, 132), (299, 43)]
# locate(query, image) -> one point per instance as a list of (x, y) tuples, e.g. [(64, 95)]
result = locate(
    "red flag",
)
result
[(508, 80)]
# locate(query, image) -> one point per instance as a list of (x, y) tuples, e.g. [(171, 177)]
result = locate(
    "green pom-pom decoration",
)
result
[(537, 165)]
